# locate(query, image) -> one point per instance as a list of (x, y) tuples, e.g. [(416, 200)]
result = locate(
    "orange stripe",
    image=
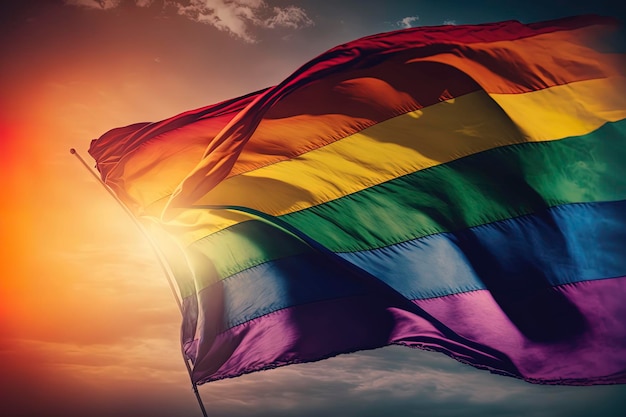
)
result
[(342, 104)]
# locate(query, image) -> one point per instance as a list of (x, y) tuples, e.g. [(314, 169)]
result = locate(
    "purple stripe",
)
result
[(596, 353), (316, 331), (465, 326)]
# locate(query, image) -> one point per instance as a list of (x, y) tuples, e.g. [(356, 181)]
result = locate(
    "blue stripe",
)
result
[(286, 282), (561, 245)]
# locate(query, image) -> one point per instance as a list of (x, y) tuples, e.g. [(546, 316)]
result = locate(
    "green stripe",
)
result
[(490, 186), (244, 246), (482, 188)]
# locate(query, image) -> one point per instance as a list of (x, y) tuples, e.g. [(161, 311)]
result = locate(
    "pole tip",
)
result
[(72, 151)]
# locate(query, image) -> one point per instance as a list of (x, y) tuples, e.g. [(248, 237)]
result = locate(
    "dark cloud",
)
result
[(401, 381)]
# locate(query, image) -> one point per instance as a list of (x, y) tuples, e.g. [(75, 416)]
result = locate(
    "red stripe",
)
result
[(119, 143)]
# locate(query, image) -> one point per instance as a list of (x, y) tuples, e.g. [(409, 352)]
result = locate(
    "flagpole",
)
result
[(160, 257)]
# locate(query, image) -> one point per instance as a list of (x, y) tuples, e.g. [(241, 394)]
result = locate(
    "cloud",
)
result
[(105, 4), (133, 377), (290, 17), (407, 22), (449, 22), (138, 374), (399, 381), (238, 16), (109, 292), (94, 4)]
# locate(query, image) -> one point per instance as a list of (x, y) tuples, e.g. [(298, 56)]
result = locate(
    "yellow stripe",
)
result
[(569, 110), (417, 140)]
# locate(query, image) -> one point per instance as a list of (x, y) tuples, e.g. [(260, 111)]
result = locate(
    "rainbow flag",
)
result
[(460, 189)]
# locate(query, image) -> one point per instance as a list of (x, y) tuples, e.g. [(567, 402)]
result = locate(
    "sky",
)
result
[(88, 325)]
